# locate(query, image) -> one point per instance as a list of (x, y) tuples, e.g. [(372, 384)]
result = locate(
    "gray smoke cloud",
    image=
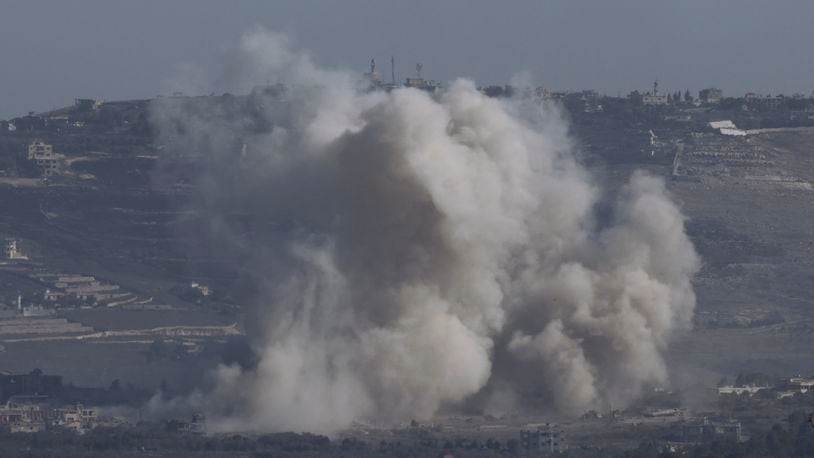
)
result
[(409, 251)]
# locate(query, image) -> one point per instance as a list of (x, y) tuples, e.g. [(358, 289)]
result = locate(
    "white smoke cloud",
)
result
[(412, 250)]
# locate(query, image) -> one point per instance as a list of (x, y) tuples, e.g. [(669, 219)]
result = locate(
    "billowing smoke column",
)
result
[(410, 251)]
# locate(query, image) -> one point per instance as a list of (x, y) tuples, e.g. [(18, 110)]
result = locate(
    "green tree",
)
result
[(687, 96)]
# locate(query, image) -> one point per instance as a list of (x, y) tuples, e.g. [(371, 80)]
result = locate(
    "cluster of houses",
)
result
[(73, 290), (35, 402), (87, 290), (784, 389), (24, 416)]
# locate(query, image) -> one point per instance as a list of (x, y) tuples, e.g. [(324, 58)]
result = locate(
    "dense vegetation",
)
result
[(793, 439)]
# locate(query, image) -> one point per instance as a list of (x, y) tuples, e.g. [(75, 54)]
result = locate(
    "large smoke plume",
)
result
[(409, 251)]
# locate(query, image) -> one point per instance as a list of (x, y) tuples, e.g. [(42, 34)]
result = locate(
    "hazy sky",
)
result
[(54, 51)]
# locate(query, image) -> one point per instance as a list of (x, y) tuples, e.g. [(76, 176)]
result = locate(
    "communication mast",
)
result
[(393, 70), (373, 76), (418, 68)]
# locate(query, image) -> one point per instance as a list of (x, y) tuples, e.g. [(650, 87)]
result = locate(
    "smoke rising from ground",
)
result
[(409, 251)]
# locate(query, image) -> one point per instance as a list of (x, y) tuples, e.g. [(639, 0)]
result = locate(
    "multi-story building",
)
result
[(23, 418), (46, 159), (547, 440), (76, 417)]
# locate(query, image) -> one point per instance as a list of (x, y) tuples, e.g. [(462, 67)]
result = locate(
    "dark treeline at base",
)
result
[(794, 438)]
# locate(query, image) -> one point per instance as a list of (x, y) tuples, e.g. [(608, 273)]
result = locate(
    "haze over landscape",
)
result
[(579, 229), (56, 51)]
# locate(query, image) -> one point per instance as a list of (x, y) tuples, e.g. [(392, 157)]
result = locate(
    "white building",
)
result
[(727, 127), (202, 289), (13, 252), (801, 384), (658, 413), (76, 417), (654, 98), (746, 389), (43, 154)]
